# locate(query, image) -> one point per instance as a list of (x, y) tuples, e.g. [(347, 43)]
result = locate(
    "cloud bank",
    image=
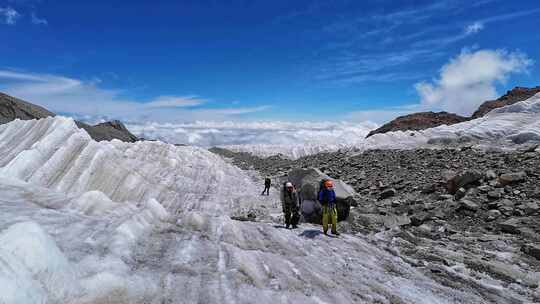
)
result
[(470, 79), (208, 134)]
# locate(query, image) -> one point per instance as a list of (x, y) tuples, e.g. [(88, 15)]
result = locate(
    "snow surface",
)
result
[(148, 222), (514, 124)]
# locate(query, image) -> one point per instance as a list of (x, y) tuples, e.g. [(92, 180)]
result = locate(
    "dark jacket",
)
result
[(327, 197), (289, 199), (267, 183)]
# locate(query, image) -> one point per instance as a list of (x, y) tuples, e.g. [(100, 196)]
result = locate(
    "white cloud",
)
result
[(174, 102), (207, 133), (38, 21), (9, 16), (470, 79), (85, 99), (474, 28)]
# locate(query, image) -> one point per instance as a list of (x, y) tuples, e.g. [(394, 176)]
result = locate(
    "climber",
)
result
[(289, 202), (267, 184), (327, 198)]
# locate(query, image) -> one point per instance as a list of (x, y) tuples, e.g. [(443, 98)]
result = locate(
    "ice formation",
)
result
[(148, 222)]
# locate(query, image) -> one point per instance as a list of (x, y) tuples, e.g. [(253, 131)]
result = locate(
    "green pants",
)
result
[(331, 213)]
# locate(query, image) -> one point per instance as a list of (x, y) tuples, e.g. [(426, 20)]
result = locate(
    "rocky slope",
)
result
[(426, 120), (108, 131), (12, 108), (517, 94), (450, 211), (419, 121)]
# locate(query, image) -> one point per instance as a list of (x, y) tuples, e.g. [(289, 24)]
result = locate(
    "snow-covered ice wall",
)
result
[(114, 222)]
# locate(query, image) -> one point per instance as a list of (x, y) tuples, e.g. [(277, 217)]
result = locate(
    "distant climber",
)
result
[(289, 202), (267, 184), (327, 198)]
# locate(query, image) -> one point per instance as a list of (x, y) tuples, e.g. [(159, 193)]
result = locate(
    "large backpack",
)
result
[(321, 186)]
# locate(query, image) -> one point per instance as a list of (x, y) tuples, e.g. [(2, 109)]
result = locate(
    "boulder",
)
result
[(388, 193), (493, 215), (469, 205), (490, 174), (392, 221), (495, 194), (512, 178), (460, 193), (418, 219), (531, 208), (307, 182), (510, 226), (462, 179), (532, 250)]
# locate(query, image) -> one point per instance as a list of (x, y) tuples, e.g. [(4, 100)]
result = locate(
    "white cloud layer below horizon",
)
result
[(209, 134)]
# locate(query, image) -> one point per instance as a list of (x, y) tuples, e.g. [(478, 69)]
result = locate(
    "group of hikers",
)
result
[(290, 202)]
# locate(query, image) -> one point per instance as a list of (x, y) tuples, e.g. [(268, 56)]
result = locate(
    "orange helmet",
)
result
[(328, 184)]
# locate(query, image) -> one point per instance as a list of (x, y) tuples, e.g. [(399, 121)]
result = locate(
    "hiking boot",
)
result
[(287, 226), (294, 226), (335, 233), (325, 232)]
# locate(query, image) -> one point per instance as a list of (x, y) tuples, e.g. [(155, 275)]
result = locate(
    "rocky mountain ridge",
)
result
[(419, 121), (426, 120), (12, 108)]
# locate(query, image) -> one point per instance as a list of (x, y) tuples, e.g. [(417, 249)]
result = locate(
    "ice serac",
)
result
[(147, 222)]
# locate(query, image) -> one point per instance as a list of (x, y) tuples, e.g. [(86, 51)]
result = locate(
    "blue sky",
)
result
[(265, 60)]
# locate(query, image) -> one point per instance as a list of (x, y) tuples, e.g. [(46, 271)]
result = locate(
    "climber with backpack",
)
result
[(289, 202), (327, 198)]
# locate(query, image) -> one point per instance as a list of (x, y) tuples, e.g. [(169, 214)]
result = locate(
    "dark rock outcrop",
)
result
[(108, 131), (426, 120), (12, 108), (419, 121), (517, 94)]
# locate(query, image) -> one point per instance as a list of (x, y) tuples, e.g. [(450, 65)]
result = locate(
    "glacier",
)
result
[(507, 126), (149, 222)]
